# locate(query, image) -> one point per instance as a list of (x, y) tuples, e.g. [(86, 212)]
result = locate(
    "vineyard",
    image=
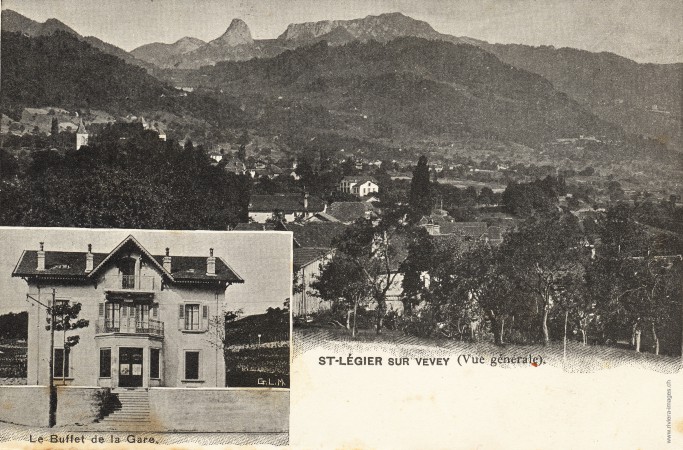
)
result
[(13, 358)]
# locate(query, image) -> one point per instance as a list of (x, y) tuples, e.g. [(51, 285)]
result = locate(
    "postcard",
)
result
[(389, 224)]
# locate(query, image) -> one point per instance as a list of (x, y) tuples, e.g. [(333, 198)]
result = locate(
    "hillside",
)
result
[(406, 87), (60, 70), (642, 98), (14, 22)]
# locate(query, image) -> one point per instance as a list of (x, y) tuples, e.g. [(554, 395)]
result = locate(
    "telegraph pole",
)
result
[(53, 392)]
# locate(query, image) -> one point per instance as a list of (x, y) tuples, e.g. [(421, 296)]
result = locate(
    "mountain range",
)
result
[(640, 98), (237, 44)]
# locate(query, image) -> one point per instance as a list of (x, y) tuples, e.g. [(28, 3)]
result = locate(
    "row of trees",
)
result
[(553, 277), (605, 278)]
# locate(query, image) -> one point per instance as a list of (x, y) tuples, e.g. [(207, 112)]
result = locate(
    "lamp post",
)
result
[(53, 392)]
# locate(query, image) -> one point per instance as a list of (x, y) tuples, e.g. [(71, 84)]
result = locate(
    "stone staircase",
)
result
[(134, 413)]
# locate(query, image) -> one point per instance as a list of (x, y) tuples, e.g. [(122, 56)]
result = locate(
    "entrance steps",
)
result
[(134, 412)]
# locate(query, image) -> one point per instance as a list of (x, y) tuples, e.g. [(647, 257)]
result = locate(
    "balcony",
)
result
[(133, 282), (131, 326), (131, 287)]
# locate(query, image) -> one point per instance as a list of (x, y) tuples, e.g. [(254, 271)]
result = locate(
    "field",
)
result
[(12, 360), (259, 366)]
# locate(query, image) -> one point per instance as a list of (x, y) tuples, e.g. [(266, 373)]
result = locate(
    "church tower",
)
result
[(81, 135)]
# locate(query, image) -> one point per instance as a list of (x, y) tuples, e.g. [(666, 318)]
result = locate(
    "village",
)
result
[(321, 195)]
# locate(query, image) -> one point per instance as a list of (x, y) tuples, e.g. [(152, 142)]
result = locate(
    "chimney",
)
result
[(41, 257), (211, 263), (167, 261), (306, 201), (89, 259)]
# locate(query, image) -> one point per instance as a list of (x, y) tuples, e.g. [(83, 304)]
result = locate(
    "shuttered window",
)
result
[(154, 361), (192, 317)]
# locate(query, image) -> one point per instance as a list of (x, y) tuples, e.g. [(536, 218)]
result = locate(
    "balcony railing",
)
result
[(128, 281), (131, 326), (132, 283)]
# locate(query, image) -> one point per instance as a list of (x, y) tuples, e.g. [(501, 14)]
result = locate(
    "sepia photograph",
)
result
[(439, 203), (146, 332)]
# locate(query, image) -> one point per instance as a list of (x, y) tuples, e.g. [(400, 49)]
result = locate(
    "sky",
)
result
[(262, 259), (643, 30)]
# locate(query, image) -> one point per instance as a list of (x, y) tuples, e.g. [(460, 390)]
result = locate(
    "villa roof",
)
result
[(347, 212), (256, 226), (359, 178), (61, 264), (287, 203), (71, 265), (307, 255), (316, 234), (471, 229)]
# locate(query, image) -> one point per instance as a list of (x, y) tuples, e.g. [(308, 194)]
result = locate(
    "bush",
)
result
[(106, 403)]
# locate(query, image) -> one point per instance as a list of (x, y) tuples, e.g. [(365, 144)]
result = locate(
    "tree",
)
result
[(307, 176), (220, 335), (372, 255), (633, 278), (66, 319), (61, 317), (242, 153), (486, 196), (342, 280), (615, 191), (545, 257), (420, 199), (469, 286), (54, 128), (177, 187)]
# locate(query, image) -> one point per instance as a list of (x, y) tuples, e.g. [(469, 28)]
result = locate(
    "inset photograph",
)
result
[(146, 331)]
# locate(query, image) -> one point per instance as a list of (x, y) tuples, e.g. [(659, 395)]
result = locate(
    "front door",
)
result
[(130, 367)]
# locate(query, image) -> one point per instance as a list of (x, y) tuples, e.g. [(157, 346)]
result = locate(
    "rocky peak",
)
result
[(237, 34), (383, 27)]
